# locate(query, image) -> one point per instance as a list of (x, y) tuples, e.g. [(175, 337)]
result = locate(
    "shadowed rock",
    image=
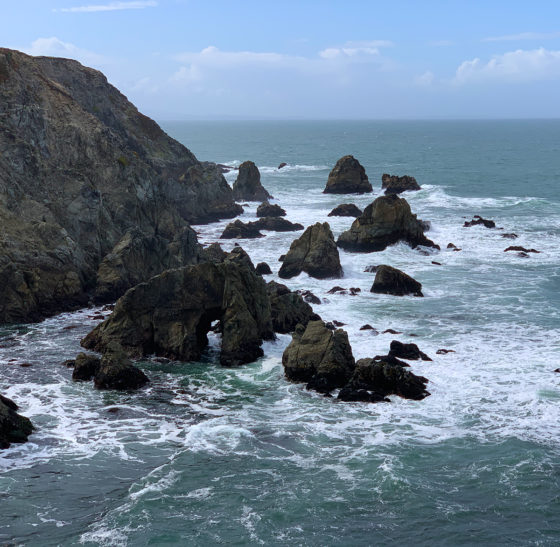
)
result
[(288, 308), (14, 428), (213, 253), (347, 177), (407, 351), (262, 268), (240, 230), (314, 252), (384, 222), (520, 249), (395, 185), (389, 280), (346, 210), (276, 224), (248, 184), (477, 219), (266, 209), (116, 371), (86, 366)]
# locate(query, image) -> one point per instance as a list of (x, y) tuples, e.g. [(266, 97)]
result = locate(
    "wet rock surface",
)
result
[(241, 230), (389, 280), (346, 210), (288, 308), (266, 209), (248, 185), (348, 176), (477, 219), (14, 428), (407, 351), (395, 185)]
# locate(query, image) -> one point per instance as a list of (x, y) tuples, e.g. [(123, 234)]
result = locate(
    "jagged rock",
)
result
[(347, 177), (213, 253), (283, 164), (389, 280), (477, 219), (85, 367), (391, 359), (266, 209), (288, 308), (337, 290), (314, 252), (276, 224), (80, 166), (239, 230), (308, 296), (14, 428), (407, 351), (384, 222), (367, 326), (509, 236), (170, 315), (520, 249), (395, 185), (281, 258), (238, 256), (346, 210), (444, 351), (262, 268), (319, 356), (248, 184), (137, 257), (116, 371)]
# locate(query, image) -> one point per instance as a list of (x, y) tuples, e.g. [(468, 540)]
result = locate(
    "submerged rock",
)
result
[(283, 164), (477, 219), (347, 177), (395, 185), (346, 210), (384, 222), (248, 184), (14, 428), (288, 309), (389, 280), (407, 351), (266, 209), (314, 253), (520, 249)]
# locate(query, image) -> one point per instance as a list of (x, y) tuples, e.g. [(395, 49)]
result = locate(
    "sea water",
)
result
[(207, 455)]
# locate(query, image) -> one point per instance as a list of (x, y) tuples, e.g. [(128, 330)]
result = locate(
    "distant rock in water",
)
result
[(520, 249), (283, 164), (314, 253), (14, 428), (407, 351), (276, 224), (346, 210), (240, 230), (384, 222), (509, 236), (389, 280), (395, 185), (78, 171), (477, 219), (348, 177), (248, 184), (266, 209)]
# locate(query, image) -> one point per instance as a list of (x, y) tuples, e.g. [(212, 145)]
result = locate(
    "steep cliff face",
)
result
[(79, 167)]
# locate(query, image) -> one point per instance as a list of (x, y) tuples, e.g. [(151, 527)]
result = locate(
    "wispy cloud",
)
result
[(111, 6), (54, 47), (425, 80), (523, 36)]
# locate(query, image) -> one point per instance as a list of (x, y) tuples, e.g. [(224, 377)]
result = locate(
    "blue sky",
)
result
[(184, 59)]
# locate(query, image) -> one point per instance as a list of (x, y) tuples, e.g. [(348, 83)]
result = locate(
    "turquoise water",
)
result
[(208, 455)]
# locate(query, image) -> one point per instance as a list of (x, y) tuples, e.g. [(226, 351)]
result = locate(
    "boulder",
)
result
[(266, 209), (85, 367), (283, 164), (171, 314), (314, 252), (276, 224), (262, 268), (248, 184), (520, 249), (14, 428), (319, 356), (347, 177), (346, 210), (389, 280), (240, 230), (477, 219), (395, 185), (384, 222), (116, 371), (407, 351), (288, 308)]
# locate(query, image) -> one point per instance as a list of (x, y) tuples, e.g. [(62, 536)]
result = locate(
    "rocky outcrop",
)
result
[(276, 224), (171, 314), (79, 168), (389, 280), (384, 222), (14, 428), (262, 268), (241, 230), (347, 177), (116, 371), (248, 185), (213, 253), (521, 249), (288, 308), (346, 210), (477, 219), (283, 164), (407, 351), (314, 253), (318, 356), (266, 209), (86, 366), (395, 185)]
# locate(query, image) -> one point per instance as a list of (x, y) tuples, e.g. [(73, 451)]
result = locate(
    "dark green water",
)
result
[(210, 456)]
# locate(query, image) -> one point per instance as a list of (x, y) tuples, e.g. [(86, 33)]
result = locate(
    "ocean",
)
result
[(207, 455)]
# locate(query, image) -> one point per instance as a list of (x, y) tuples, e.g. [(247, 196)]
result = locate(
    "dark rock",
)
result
[(391, 359), (281, 258), (330, 326), (238, 230), (213, 253), (354, 291), (116, 371), (436, 263), (443, 351), (276, 224), (68, 363), (509, 236), (371, 269), (71, 327), (338, 323), (351, 395), (288, 308), (389, 280), (407, 351), (477, 219), (14, 428), (85, 367), (266, 209), (238, 256), (384, 222), (308, 296), (523, 254), (346, 210), (171, 314), (25, 365), (366, 327), (395, 185), (391, 331), (520, 249), (337, 290), (314, 252), (557, 370), (262, 268), (319, 356), (283, 164), (347, 177), (248, 184), (226, 168)]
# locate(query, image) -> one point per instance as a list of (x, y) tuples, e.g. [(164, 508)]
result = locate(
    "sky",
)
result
[(219, 59)]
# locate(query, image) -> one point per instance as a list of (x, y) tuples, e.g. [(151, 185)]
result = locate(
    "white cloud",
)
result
[(355, 49), (425, 79), (111, 6), (54, 47), (523, 36), (514, 66)]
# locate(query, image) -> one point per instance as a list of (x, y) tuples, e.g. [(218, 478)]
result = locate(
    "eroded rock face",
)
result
[(80, 167), (319, 356), (314, 252), (288, 308), (14, 428), (347, 177), (395, 185), (170, 315), (266, 209), (248, 185), (384, 222), (346, 210), (389, 280)]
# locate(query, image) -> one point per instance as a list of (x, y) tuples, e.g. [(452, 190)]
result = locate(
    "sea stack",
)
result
[(248, 184), (348, 176)]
